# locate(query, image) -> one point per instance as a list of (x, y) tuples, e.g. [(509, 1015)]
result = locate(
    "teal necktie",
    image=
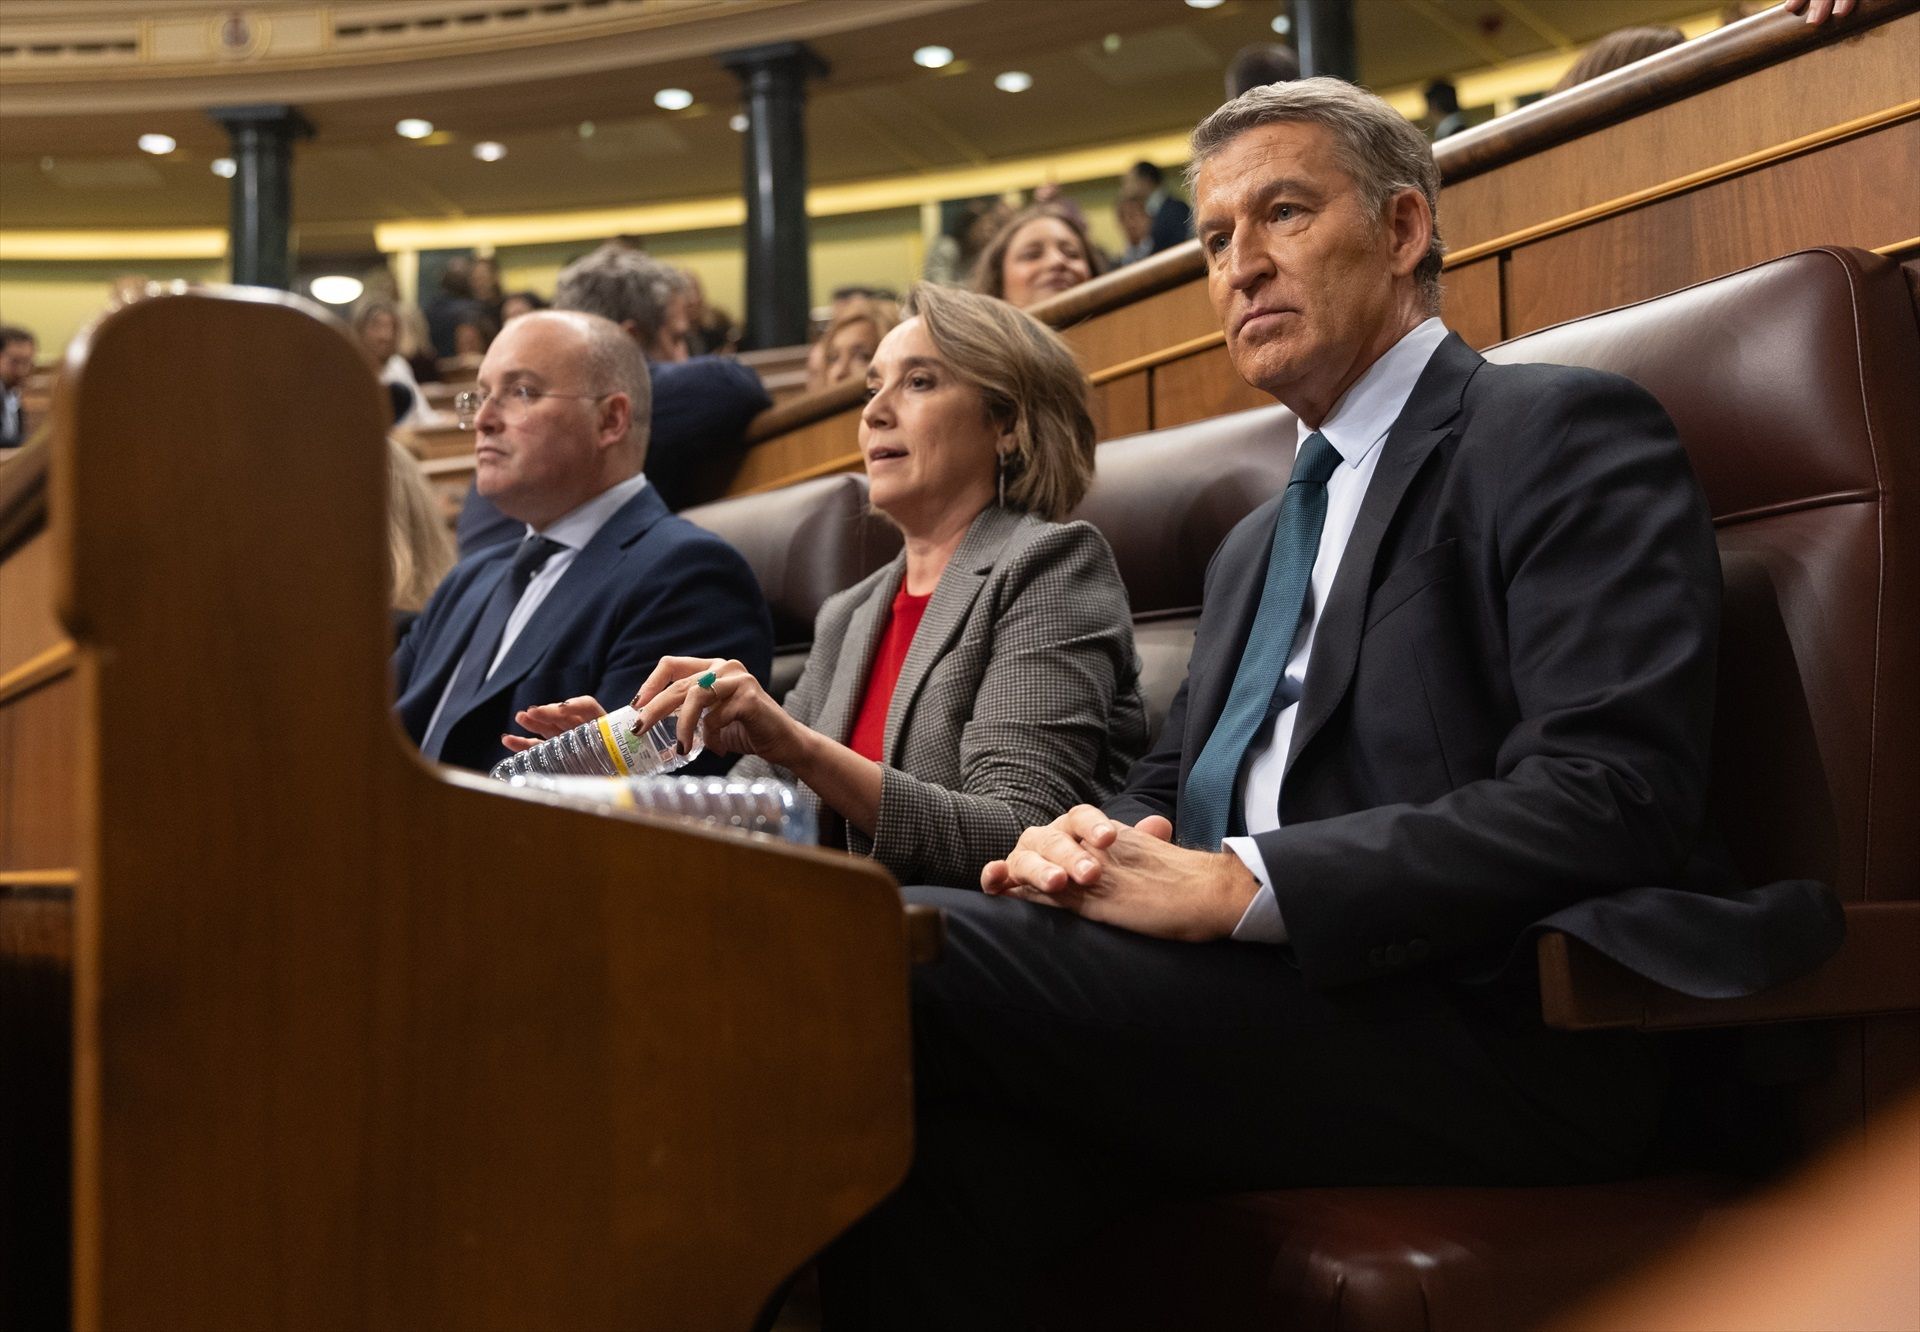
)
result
[(1207, 797)]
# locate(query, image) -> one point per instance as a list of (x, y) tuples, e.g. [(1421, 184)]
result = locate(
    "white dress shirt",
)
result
[(573, 531), (1356, 427)]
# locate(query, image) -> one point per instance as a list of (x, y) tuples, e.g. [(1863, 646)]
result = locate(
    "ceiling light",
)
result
[(586, 129), (1110, 43), (412, 128), (489, 151), (738, 124), (1205, 4), (933, 57), (1013, 81), (157, 144), (224, 167), (336, 289), (1282, 24), (673, 99)]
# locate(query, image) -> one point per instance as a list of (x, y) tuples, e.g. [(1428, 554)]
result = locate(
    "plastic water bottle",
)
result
[(768, 807), (607, 746)]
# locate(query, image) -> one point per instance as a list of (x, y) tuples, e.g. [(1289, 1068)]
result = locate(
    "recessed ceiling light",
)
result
[(933, 57), (1282, 24), (738, 124), (1205, 4), (412, 128), (1013, 81), (157, 144), (489, 151), (224, 167), (336, 289), (586, 129), (673, 99), (1110, 43)]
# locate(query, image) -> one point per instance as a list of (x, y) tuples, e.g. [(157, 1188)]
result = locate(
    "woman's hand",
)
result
[(551, 719), (739, 716)]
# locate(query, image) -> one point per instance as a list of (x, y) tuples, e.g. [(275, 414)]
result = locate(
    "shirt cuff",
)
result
[(1260, 922)]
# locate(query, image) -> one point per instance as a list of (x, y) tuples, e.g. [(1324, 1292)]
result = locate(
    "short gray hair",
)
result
[(1380, 148), (623, 285), (614, 364)]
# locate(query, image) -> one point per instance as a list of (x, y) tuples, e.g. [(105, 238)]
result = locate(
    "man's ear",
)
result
[(616, 418), (1410, 227)]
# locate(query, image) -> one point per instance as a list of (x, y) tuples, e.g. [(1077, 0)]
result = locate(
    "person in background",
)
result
[(452, 305), (701, 407), (952, 256), (487, 293), (1136, 224), (519, 303), (601, 580), (1172, 218), (1443, 110), (1042, 251), (985, 672), (848, 342), (376, 323), (711, 331), (1617, 49), (1260, 64), (474, 334), (420, 549), (673, 341), (17, 348)]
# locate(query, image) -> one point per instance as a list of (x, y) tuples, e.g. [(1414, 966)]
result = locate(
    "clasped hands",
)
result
[(1132, 877), (738, 716)]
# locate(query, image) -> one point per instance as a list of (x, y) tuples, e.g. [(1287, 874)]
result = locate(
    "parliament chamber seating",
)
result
[(1793, 386)]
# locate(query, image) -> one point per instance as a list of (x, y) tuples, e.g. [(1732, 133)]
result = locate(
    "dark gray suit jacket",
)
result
[(1506, 716), (1019, 697)]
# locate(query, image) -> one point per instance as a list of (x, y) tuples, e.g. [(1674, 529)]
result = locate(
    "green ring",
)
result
[(706, 681)]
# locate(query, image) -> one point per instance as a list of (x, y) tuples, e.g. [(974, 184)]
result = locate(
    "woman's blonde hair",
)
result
[(882, 314), (1031, 384), (418, 542), (989, 273)]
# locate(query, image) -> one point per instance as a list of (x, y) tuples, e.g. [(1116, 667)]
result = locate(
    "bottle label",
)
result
[(622, 745)]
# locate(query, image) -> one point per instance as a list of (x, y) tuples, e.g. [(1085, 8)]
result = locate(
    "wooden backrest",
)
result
[(357, 1040)]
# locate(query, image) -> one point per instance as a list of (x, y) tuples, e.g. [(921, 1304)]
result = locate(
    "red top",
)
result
[(870, 723)]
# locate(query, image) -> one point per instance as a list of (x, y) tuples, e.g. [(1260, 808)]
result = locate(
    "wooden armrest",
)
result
[(1874, 971), (926, 932)]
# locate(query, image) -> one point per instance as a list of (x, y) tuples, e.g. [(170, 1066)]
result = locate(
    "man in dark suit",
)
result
[(16, 366), (602, 581), (1455, 682), (702, 405), (1170, 220)]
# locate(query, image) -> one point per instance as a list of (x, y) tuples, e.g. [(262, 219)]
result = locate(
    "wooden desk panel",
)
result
[(1471, 302), (1201, 386)]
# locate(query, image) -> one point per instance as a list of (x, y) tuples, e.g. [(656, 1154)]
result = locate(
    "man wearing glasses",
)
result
[(603, 581)]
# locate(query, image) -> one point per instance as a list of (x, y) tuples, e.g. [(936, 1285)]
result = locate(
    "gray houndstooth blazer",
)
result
[(1019, 696)]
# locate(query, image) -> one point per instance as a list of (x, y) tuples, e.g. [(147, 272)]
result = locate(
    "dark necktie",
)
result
[(1206, 799), (529, 559)]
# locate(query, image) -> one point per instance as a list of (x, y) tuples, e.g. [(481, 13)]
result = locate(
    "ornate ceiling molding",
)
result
[(57, 59)]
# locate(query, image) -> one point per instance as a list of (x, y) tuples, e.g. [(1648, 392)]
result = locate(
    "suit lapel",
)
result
[(578, 587), (953, 597), (429, 679), (855, 657), (1427, 419)]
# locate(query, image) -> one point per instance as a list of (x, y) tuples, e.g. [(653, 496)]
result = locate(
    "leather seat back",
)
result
[(1795, 385)]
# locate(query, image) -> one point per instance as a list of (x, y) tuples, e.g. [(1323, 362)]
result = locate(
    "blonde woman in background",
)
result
[(851, 337), (419, 545)]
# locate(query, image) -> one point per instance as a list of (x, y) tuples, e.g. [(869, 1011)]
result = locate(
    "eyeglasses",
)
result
[(514, 403)]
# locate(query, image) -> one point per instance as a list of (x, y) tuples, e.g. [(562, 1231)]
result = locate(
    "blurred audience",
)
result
[(376, 323), (701, 405), (1618, 49), (847, 345), (1043, 251), (1258, 65), (954, 255), (710, 330), (1170, 219), (17, 347), (419, 545), (520, 303), (450, 306), (1136, 224), (474, 334), (1443, 110), (485, 280)]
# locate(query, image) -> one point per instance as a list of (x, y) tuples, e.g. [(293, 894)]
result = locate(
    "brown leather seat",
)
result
[(1793, 386), (804, 543)]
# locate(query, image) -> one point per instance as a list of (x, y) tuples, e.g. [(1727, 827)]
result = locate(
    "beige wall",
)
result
[(56, 299)]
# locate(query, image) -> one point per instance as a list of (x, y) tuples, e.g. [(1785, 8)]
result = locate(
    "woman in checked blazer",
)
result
[(985, 680)]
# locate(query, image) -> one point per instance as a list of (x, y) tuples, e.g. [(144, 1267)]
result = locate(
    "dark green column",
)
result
[(774, 80), (260, 218), (1323, 35)]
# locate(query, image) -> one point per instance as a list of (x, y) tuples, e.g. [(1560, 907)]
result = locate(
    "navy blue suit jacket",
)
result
[(701, 410), (648, 585)]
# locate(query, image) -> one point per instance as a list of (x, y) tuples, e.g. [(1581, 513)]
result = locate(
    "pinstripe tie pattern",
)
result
[(1205, 799)]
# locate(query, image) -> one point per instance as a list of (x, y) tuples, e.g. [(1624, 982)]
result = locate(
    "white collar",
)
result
[(1367, 410), (576, 528)]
